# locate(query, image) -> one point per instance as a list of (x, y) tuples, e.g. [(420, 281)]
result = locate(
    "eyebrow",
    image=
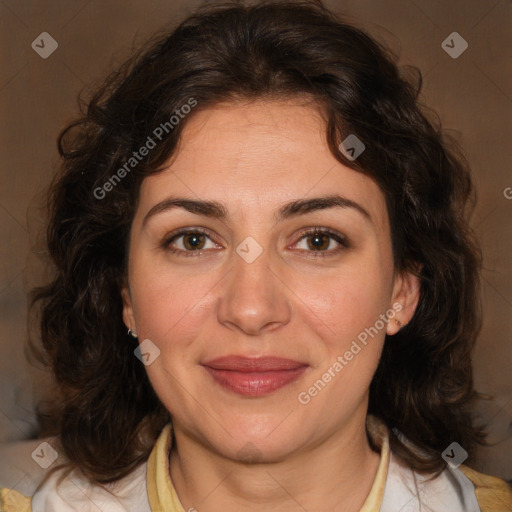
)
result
[(216, 210)]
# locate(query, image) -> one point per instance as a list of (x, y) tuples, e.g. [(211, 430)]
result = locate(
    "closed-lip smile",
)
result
[(254, 376)]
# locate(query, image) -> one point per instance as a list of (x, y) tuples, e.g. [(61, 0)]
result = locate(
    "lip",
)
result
[(254, 376)]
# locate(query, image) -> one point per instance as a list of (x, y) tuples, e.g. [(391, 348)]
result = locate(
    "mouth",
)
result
[(254, 376)]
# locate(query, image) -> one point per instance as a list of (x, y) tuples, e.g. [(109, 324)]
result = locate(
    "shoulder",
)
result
[(13, 501), (456, 489), (26, 488), (493, 494), (69, 491)]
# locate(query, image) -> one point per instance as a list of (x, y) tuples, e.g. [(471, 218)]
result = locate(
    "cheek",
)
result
[(165, 305), (347, 311), (171, 312), (348, 301)]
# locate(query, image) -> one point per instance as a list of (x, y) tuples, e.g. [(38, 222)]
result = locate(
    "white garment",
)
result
[(75, 494), (408, 491)]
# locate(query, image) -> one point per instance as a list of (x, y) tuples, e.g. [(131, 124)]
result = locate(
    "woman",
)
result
[(266, 287)]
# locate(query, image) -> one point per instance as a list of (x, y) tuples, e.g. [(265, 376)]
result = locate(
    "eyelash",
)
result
[(344, 243)]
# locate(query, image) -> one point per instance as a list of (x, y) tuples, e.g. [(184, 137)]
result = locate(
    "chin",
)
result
[(261, 441), (264, 452)]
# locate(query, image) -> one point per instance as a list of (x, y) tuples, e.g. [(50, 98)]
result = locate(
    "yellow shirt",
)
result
[(150, 489)]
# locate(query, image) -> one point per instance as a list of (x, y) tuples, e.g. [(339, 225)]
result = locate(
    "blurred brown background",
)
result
[(472, 94)]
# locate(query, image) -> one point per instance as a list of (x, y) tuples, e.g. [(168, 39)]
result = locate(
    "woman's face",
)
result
[(255, 284)]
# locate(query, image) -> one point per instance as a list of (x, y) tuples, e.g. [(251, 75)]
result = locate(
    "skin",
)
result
[(254, 157)]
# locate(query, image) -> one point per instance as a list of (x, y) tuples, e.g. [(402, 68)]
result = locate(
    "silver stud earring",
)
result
[(132, 334), (398, 323)]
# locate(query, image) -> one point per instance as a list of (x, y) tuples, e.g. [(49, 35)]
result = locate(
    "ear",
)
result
[(128, 316), (406, 295)]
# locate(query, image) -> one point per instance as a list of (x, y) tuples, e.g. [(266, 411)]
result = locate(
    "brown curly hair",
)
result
[(109, 417)]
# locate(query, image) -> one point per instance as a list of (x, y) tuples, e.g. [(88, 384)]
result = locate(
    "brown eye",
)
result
[(321, 240), (318, 241), (188, 242), (194, 241)]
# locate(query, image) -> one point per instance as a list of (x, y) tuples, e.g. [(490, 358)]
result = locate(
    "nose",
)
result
[(253, 298)]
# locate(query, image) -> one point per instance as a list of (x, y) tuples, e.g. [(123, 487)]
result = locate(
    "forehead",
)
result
[(255, 156)]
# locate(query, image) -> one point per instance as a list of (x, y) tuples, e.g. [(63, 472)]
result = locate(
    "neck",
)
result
[(336, 475)]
